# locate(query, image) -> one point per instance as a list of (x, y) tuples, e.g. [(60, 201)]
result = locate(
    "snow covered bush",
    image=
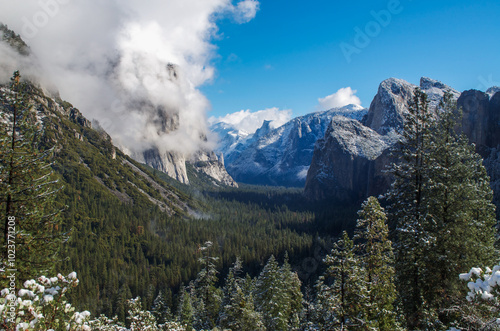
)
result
[(483, 310), (41, 305), (483, 284)]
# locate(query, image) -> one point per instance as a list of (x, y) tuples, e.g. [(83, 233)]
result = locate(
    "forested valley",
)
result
[(142, 251)]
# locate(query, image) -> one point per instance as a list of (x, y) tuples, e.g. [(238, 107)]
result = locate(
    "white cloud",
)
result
[(135, 65), (249, 122), (245, 10), (343, 97)]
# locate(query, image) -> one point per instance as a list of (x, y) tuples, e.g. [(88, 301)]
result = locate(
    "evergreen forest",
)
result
[(144, 252)]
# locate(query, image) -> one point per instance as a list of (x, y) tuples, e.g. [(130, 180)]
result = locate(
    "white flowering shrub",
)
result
[(41, 305)]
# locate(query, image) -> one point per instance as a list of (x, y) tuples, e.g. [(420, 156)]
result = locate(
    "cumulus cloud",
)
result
[(343, 97), (134, 66), (249, 122)]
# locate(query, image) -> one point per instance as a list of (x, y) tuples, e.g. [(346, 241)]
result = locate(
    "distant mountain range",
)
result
[(279, 156), (341, 153)]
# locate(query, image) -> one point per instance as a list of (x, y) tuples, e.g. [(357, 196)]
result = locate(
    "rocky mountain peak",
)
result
[(263, 130), (387, 108), (348, 163), (278, 156), (355, 138), (435, 90), (427, 83)]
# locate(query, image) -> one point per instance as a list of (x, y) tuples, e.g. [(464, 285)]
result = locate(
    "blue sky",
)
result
[(290, 54)]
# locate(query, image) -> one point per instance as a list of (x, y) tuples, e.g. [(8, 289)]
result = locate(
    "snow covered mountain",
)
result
[(349, 160), (279, 156)]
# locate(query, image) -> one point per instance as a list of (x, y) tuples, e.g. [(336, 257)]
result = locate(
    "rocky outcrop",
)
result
[(280, 156), (492, 91), (76, 116), (493, 135), (174, 165), (481, 123), (213, 166)]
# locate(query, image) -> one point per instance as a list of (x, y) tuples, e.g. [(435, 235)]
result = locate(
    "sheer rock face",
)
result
[(349, 162), (475, 118), (173, 164), (493, 135), (481, 119), (481, 123)]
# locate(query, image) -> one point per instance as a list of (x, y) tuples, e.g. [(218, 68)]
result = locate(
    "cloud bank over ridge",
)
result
[(248, 121), (134, 66)]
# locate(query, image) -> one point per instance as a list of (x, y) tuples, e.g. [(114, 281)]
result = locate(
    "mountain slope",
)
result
[(134, 230)]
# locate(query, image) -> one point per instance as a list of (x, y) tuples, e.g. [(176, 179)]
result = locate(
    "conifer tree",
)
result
[(160, 309), (271, 297), (124, 294), (139, 319), (342, 302), (376, 255), (409, 211), (29, 221), (207, 296), (440, 206), (238, 312), (185, 312), (461, 208), (294, 294)]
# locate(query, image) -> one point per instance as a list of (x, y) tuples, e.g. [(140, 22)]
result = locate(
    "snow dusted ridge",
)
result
[(492, 90), (348, 162), (435, 90), (277, 156)]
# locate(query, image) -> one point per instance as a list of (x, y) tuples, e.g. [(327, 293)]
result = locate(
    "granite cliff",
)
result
[(349, 161)]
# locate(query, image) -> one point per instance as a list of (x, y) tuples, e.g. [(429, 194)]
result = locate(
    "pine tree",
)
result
[(185, 312), (441, 211), (238, 312), (342, 302), (124, 294), (138, 318), (271, 297), (30, 225), (376, 255), (207, 296), (409, 211), (160, 309), (294, 294), (461, 208)]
